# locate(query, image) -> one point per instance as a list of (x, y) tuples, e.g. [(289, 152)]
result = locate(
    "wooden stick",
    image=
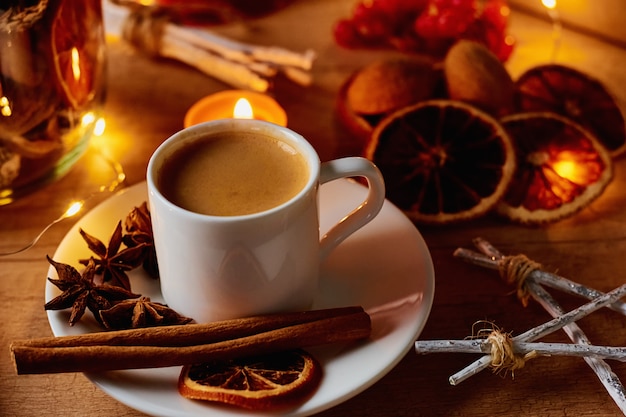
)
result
[(540, 348), (551, 280), (542, 277), (127, 350), (561, 321), (470, 370)]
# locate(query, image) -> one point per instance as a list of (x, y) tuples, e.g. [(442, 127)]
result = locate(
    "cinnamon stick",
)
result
[(179, 345), (192, 334)]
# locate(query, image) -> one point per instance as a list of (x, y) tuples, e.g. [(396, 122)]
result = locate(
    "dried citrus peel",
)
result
[(576, 95), (562, 168), (444, 161), (261, 383)]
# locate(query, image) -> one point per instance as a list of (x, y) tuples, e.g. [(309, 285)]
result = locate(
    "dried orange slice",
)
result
[(260, 383), (77, 49), (577, 96), (561, 168), (442, 160)]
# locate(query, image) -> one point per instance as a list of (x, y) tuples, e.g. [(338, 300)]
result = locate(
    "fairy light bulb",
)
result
[(98, 129), (75, 60), (73, 209), (566, 165), (5, 107)]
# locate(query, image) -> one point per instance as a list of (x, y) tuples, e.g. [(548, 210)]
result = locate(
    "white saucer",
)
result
[(384, 267)]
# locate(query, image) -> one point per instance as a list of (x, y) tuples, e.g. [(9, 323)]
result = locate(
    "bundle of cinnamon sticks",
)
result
[(156, 347), (239, 64)]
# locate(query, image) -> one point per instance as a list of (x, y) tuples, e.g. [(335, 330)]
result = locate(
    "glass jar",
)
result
[(52, 82)]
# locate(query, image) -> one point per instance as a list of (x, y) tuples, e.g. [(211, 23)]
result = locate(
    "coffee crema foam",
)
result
[(233, 174)]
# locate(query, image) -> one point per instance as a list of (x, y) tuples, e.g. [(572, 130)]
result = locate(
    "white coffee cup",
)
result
[(219, 267)]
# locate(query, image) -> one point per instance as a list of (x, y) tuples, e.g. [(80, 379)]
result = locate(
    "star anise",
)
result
[(113, 262), (80, 292), (138, 227), (140, 312)]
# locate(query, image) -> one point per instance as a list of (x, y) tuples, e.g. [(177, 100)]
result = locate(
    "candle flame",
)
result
[(549, 4), (243, 109)]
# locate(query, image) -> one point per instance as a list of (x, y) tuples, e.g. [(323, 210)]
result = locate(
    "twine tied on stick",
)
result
[(506, 355), (514, 270)]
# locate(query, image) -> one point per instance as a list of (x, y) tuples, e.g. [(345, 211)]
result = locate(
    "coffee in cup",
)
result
[(231, 174)]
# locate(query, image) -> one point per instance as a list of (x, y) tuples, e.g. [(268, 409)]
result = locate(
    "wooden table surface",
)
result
[(147, 100)]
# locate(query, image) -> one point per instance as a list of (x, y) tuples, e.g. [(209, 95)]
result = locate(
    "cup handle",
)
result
[(366, 211)]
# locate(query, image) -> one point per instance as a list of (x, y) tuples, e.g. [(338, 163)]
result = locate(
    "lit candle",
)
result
[(238, 104)]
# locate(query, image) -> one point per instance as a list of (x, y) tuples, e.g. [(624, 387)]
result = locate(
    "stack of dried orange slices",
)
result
[(534, 150)]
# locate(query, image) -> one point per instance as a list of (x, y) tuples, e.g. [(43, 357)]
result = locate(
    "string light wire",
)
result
[(557, 26), (76, 206)]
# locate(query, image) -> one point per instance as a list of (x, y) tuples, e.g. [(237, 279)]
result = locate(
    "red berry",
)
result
[(364, 11), (452, 23), (407, 43), (496, 12), (493, 38), (427, 26), (443, 23), (346, 34), (370, 24)]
